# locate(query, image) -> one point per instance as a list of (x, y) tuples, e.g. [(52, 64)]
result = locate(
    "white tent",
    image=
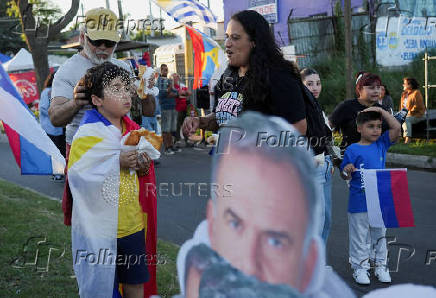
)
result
[(23, 61)]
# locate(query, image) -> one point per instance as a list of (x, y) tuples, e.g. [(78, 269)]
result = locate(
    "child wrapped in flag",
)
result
[(366, 241), (114, 210)]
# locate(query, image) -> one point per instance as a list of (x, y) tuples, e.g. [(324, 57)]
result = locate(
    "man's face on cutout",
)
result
[(260, 228)]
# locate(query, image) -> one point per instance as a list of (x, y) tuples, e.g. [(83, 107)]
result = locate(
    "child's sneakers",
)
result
[(361, 276), (382, 274)]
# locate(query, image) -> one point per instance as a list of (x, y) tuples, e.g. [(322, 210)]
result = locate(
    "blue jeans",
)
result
[(324, 180), (149, 123)]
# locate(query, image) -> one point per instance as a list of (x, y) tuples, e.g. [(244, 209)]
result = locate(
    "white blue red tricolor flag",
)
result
[(184, 11), (387, 198), (33, 150)]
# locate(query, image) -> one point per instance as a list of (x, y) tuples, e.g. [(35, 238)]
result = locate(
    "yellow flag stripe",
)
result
[(80, 146)]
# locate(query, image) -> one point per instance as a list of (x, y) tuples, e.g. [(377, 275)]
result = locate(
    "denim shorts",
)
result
[(169, 120)]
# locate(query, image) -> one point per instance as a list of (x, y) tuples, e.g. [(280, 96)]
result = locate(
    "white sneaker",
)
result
[(361, 276), (382, 274), (168, 151)]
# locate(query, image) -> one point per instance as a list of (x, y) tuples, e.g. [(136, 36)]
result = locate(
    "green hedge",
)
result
[(332, 73)]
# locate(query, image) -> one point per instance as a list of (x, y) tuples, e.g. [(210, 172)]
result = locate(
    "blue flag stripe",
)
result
[(386, 199), (33, 160), (180, 13)]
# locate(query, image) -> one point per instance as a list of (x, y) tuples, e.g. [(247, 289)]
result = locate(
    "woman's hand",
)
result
[(128, 160), (374, 109), (190, 125)]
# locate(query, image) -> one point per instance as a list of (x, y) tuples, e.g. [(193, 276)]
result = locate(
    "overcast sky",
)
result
[(138, 9)]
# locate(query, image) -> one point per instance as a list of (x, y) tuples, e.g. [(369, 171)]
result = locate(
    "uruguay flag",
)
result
[(387, 198), (208, 56), (33, 150), (184, 11)]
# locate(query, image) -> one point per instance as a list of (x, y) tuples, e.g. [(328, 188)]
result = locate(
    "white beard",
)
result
[(93, 57)]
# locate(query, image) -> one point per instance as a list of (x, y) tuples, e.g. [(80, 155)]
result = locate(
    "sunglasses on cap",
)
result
[(99, 42)]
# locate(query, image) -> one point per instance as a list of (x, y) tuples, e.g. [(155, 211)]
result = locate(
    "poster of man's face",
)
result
[(261, 235)]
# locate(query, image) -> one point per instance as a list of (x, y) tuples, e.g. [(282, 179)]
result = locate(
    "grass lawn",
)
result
[(415, 148), (32, 225)]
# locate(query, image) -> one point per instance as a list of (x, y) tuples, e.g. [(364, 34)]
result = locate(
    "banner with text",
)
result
[(401, 39)]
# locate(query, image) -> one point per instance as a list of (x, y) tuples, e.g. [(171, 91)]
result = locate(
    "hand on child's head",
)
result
[(375, 109)]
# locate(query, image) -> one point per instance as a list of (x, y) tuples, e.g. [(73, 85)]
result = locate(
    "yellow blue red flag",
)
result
[(208, 56)]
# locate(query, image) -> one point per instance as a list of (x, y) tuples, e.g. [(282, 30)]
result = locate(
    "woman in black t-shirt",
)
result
[(258, 78), (343, 118)]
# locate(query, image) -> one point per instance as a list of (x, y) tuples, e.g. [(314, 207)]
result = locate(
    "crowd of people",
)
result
[(267, 236)]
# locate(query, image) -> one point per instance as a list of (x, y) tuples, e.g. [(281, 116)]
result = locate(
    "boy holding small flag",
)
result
[(368, 153)]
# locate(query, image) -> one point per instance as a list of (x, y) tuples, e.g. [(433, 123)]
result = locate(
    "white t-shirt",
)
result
[(405, 102), (66, 79)]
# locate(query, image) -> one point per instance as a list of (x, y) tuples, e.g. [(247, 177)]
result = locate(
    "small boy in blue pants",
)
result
[(368, 153)]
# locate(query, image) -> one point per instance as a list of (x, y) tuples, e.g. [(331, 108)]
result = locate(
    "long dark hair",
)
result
[(386, 90), (305, 72), (265, 55), (49, 80), (412, 81)]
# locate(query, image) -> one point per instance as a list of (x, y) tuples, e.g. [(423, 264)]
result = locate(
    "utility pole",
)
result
[(121, 19), (348, 49), (151, 19), (107, 4), (160, 18)]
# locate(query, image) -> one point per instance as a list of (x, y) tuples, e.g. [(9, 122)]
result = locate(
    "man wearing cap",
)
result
[(98, 39)]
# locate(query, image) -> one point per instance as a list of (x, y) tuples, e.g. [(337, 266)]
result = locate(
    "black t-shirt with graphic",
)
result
[(344, 117), (285, 97)]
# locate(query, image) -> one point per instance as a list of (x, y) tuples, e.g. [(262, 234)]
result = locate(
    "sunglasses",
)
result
[(99, 42)]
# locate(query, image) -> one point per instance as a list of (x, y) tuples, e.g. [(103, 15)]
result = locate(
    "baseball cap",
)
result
[(101, 23)]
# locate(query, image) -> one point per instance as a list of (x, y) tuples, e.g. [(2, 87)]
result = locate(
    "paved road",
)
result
[(179, 211)]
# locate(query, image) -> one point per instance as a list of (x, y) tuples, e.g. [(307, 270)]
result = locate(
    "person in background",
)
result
[(385, 99), (181, 104), (56, 134), (167, 100), (312, 81), (411, 99), (343, 118)]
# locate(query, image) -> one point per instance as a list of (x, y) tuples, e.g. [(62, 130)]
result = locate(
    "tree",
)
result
[(39, 31), (10, 43)]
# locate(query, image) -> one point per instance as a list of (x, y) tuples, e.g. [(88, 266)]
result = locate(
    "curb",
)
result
[(415, 161), (32, 190)]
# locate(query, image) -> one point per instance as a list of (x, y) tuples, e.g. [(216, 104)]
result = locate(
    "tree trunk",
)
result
[(38, 36), (38, 47)]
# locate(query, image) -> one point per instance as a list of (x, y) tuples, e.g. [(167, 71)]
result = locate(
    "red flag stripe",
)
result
[(198, 46), (401, 198), (14, 143)]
